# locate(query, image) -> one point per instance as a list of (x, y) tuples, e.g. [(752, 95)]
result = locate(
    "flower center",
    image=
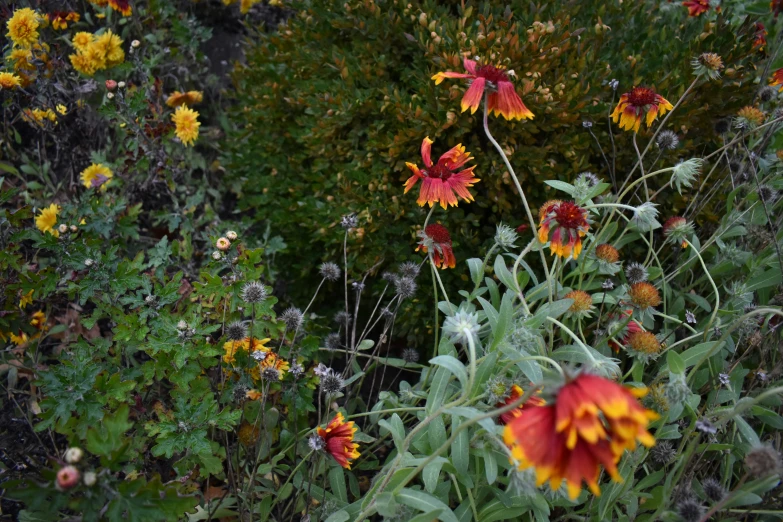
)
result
[(492, 74), (569, 215), (439, 171), (641, 96)]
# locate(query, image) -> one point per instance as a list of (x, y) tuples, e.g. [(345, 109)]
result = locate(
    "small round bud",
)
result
[(88, 262), (121, 85), (111, 85), (90, 478), (73, 228), (135, 44), (73, 455), (109, 95), (62, 229), (223, 244), (216, 255), (67, 477), (231, 235)]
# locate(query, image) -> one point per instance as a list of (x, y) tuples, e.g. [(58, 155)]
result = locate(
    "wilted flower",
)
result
[(697, 7), (767, 194), (338, 438), (440, 182), (316, 443), (271, 374), (503, 98), (563, 224), (254, 292), (748, 118), (685, 173), (667, 140), (187, 99), (707, 65), (349, 221), (505, 236), (436, 239), (636, 273), (455, 326), (590, 424), (582, 306), (640, 101), (329, 271), (762, 461), (645, 216), (677, 230), (292, 317), (777, 79)]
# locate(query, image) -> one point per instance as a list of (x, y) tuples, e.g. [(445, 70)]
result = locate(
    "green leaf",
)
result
[(426, 503), (454, 366), (108, 437), (337, 483), (475, 264), (675, 362), (561, 186), (396, 428)]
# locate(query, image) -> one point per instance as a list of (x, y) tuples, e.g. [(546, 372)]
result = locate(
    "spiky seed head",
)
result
[(667, 140), (349, 221), (333, 341), (292, 317), (690, 509), (409, 269), (505, 236), (254, 292), (713, 489), (270, 374), (389, 277), (663, 453), (722, 126), (329, 271), (686, 172), (767, 94), (705, 426), (410, 355), (590, 179), (332, 383), (405, 287), (342, 318), (762, 461), (316, 442), (636, 273), (236, 331), (240, 393), (767, 194), (645, 216)]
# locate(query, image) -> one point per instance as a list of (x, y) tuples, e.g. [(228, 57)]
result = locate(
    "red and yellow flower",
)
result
[(60, 19), (338, 439), (591, 422), (563, 224), (697, 7), (516, 393), (38, 320), (777, 79), (122, 6), (634, 104), (436, 238), (503, 98), (272, 360), (246, 345), (760, 39), (440, 182)]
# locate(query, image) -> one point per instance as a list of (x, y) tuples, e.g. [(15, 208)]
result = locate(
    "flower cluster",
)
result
[(96, 52)]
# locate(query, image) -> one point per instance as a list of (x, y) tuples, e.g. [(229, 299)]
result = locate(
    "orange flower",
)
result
[(570, 224), (503, 98), (590, 424), (435, 237), (697, 7), (272, 360), (123, 6), (634, 104), (39, 320), (607, 252), (644, 295), (338, 439), (777, 79), (760, 40), (440, 181), (60, 19), (516, 393), (177, 98)]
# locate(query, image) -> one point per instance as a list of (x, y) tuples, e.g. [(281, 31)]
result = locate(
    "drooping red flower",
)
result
[(567, 223), (631, 328), (516, 393), (503, 98), (441, 183), (338, 439), (123, 6), (590, 424), (436, 237), (697, 7), (777, 79), (776, 6), (760, 40), (634, 104)]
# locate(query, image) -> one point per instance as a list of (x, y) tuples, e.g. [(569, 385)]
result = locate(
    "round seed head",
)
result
[(405, 287), (292, 318), (270, 374), (722, 126), (333, 341), (767, 194), (667, 140), (767, 94), (409, 269), (329, 271), (254, 292), (690, 509), (342, 318), (713, 489), (663, 453), (236, 331), (636, 273), (332, 383), (410, 355), (762, 461)]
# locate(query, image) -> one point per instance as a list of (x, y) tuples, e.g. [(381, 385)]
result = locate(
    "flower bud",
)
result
[(110, 95), (67, 477), (135, 44), (73, 228), (90, 478), (73, 455), (111, 85), (63, 229), (121, 85), (231, 235)]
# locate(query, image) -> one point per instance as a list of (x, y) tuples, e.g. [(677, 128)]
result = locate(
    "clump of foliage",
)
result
[(612, 353)]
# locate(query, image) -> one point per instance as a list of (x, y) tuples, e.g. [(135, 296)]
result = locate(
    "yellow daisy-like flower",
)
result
[(62, 109), (38, 320), (96, 175), (184, 98), (26, 299), (187, 124), (47, 219), (111, 46), (82, 40), (9, 80), (23, 27), (21, 59), (20, 339)]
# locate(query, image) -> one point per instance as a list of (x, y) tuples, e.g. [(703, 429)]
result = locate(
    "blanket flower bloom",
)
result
[(121, 6), (96, 175), (697, 7), (591, 422), (338, 440), (634, 104), (47, 219), (567, 223), (60, 19), (436, 238), (272, 360), (777, 79), (187, 124), (503, 98), (516, 393), (441, 183), (23, 27)]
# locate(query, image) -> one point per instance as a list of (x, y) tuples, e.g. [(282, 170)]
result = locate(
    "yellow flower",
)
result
[(19, 340), (111, 46), (38, 320), (47, 219), (39, 116), (187, 124), (62, 109), (184, 98), (245, 5), (96, 175), (9, 80), (82, 40), (26, 299), (23, 27)]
